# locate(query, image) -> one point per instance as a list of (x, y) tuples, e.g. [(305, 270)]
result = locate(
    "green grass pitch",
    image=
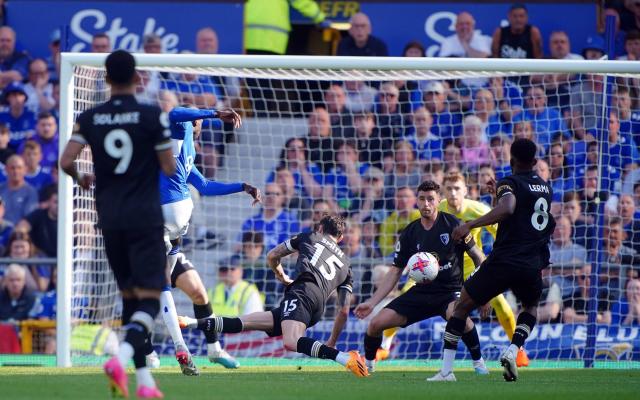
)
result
[(324, 382)]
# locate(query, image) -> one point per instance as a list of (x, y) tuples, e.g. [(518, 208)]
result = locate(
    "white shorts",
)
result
[(176, 220)]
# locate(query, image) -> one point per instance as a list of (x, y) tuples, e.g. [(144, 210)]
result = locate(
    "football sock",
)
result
[(313, 348), (452, 334), (525, 324), (387, 338), (206, 311), (148, 345), (137, 331), (144, 377), (371, 345), (472, 342), (220, 324), (170, 316)]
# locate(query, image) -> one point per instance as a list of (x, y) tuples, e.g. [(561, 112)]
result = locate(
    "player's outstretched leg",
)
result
[(386, 319), (170, 317), (387, 340), (186, 278), (472, 341), (525, 324), (505, 316), (293, 340)]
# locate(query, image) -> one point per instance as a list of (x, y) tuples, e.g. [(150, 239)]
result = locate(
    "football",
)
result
[(423, 267)]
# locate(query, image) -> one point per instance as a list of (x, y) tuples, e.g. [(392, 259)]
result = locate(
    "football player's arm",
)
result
[(476, 255), (186, 114), (275, 255), (505, 207), (208, 187), (71, 152), (344, 301)]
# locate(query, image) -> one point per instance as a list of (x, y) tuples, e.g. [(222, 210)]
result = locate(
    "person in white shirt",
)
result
[(467, 42)]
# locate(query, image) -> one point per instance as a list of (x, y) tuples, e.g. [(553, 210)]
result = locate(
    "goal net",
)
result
[(356, 137)]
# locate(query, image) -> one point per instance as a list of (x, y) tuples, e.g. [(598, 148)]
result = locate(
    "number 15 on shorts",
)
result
[(289, 306)]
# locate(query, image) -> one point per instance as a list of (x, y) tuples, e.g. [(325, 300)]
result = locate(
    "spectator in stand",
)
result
[(100, 43), (452, 156), (390, 121), (53, 60), (508, 96), (47, 137), (373, 202), (360, 97), (566, 255), (360, 42), (372, 148), (307, 175), (16, 300), (519, 39), (152, 44), (585, 103), (433, 171), (405, 212), (6, 229), (193, 89), (38, 89), (630, 221), (475, 150), (20, 198), (233, 296), (21, 121), (410, 96), (167, 100), (13, 63), (560, 174), (275, 222), (427, 145), (621, 155), (560, 47), (484, 107), (627, 310), (629, 117), (632, 46), (589, 192), (21, 247), (149, 86), (5, 150), (35, 174), (523, 129), (446, 124), (344, 183), (352, 242), (335, 100), (292, 200), (575, 307), (486, 174), (319, 209), (406, 170), (617, 259), (467, 42), (253, 262), (501, 154), (42, 223), (370, 234), (542, 169), (582, 224), (319, 140), (545, 120), (593, 48)]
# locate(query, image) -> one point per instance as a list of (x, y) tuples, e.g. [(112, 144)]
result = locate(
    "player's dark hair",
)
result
[(100, 35), (524, 151), (44, 115), (571, 196), (253, 237), (632, 35), (121, 67), (47, 192), (333, 225), (429, 186), (414, 44)]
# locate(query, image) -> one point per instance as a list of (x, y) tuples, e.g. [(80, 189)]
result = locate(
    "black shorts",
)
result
[(182, 265), (303, 302), (492, 279), (418, 304), (137, 257)]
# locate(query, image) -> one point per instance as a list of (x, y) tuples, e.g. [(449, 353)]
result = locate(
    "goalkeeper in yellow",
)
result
[(454, 202)]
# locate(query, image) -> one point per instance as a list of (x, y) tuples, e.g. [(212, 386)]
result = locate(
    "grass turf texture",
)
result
[(322, 382)]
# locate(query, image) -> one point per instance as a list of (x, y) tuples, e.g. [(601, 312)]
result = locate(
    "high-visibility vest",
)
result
[(232, 306), (89, 338), (267, 22)]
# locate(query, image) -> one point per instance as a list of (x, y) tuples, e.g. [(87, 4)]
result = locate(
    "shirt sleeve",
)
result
[(211, 188), (402, 250), (78, 133), (185, 114), (293, 244), (161, 134), (504, 188), (348, 283)]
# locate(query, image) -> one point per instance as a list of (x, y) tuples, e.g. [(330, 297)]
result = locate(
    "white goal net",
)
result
[(356, 137)]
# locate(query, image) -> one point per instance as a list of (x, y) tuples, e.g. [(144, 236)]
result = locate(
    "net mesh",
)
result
[(349, 141)]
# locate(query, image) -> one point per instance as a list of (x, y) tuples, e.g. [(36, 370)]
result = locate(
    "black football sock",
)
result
[(205, 311), (524, 326), (472, 342), (220, 324), (313, 348), (453, 332), (371, 346), (148, 345)]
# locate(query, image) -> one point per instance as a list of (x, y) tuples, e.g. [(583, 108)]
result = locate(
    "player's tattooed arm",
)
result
[(344, 301), (476, 254), (273, 260)]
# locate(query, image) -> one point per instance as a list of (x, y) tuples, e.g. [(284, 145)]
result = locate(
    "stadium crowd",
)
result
[(368, 146)]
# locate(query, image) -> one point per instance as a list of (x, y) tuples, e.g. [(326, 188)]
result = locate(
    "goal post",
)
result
[(82, 86)]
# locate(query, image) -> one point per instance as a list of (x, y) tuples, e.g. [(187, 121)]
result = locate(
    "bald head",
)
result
[(360, 28), (465, 24), (207, 41), (7, 41)]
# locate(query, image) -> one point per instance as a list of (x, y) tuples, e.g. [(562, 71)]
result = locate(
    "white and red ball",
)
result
[(423, 267)]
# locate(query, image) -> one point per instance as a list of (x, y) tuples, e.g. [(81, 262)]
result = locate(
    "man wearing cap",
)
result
[(593, 49), (233, 296), (21, 121), (446, 124), (13, 64)]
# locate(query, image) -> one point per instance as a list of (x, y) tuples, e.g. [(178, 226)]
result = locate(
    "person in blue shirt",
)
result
[(36, 176), (427, 145), (186, 124), (447, 125), (620, 153), (20, 120), (344, 184), (194, 89), (544, 120), (561, 176), (627, 310), (484, 107)]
